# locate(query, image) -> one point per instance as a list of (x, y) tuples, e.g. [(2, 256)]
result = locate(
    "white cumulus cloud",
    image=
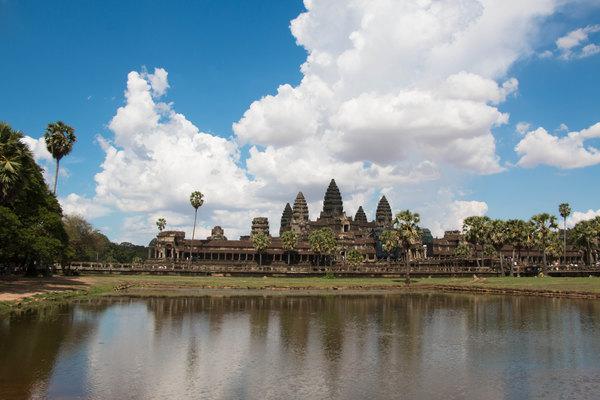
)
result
[(539, 147), (570, 45)]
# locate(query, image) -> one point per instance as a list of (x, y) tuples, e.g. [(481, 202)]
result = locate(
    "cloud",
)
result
[(579, 216), (539, 147), (568, 45), (43, 157), (452, 216), (83, 206), (522, 127)]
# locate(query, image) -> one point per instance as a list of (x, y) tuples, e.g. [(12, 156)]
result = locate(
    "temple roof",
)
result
[(332, 204), (286, 218), (360, 216), (300, 209)]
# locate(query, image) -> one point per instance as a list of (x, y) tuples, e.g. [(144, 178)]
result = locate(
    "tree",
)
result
[(585, 237), (60, 139), (517, 234), (161, 223), (196, 200), (30, 215), (554, 249), (565, 210), (289, 241), (463, 251), (15, 163), (261, 242), (322, 242), (390, 242), (543, 226), (498, 237), (477, 230), (354, 258), (86, 242), (409, 233)]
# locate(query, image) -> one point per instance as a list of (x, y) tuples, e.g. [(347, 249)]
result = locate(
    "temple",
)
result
[(350, 232)]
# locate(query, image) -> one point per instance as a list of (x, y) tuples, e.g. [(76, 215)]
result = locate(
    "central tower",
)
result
[(332, 203)]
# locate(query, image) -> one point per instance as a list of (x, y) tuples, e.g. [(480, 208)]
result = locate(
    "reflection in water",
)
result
[(345, 346)]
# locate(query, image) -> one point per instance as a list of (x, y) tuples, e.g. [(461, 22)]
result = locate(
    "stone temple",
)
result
[(350, 232)]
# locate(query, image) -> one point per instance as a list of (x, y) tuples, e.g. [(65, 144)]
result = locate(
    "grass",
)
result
[(162, 285)]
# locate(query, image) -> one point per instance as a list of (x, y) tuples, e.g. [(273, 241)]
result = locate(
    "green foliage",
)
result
[(87, 243), (260, 241), (322, 241), (32, 232), (354, 257), (407, 228), (289, 240), (390, 241), (161, 223), (60, 139), (196, 199), (477, 230), (585, 235), (463, 251), (499, 234), (565, 210), (518, 232)]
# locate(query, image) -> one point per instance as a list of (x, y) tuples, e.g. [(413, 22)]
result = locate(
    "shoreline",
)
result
[(22, 295)]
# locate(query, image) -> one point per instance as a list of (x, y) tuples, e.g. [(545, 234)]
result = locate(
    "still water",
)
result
[(390, 346)]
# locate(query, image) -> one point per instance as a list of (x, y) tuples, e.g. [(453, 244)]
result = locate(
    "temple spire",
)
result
[(300, 210), (286, 219), (360, 217), (383, 215), (332, 204)]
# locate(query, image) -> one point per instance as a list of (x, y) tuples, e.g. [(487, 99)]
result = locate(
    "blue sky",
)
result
[(71, 60)]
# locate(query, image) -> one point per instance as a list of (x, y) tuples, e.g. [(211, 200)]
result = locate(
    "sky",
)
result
[(449, 108)]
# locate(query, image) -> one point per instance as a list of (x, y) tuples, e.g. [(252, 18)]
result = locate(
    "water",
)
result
[(430, 346)]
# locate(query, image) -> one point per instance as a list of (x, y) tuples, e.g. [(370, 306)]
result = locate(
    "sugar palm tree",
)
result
[(354, 258), (585, 236), (517, 233), (463, 251), (261, 242), (289, 241), (565, 210), (499, 236), (390, 242), (409, 234), (59, 138), (544, 224), (161, 223), (477, 230), (196, 200), (322, 242)]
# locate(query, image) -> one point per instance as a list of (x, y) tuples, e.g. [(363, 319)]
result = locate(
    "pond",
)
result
[(365, 346)]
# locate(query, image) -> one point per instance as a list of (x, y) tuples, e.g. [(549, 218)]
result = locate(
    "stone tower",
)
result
[(332, 204), (383, 215), (260, 224), (360, 217), (300, 210), (286, 219)]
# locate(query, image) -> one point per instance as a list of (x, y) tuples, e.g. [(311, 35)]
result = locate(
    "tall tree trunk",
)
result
[(407, 262), (56, 176), (501, 263), (512, 263), (193, 234), (564, 240)]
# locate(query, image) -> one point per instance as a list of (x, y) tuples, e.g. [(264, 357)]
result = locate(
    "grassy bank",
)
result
[(33, 293)]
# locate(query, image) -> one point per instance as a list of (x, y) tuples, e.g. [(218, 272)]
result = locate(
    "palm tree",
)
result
[(196, 200), (499, 235), (463, 251), (517, 234), (354, 258), (161, 223), (565, 210), (322, 242), (544, 224), (261, 242), (59, 138), (15, 162), (409, 233), (477, 230), (585, 235), (289, 241), (389, 242)]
